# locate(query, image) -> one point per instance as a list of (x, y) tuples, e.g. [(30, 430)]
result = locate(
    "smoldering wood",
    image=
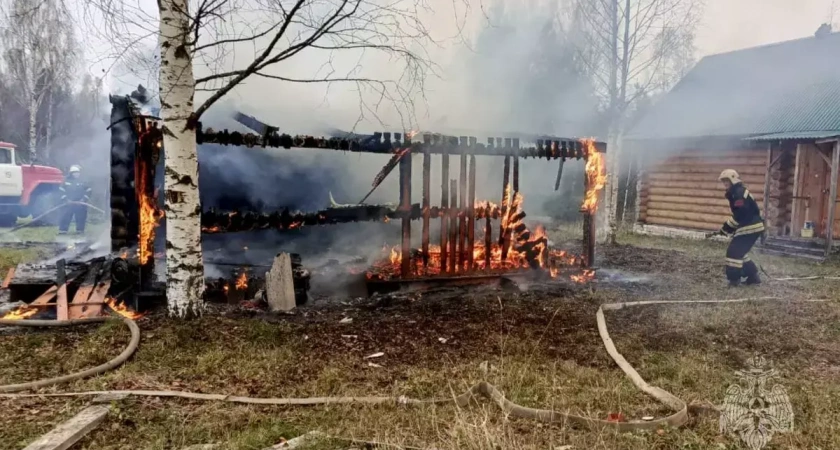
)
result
[(559, 175), (471, 215), (453, 226), (62, 308), (386, 170), (504, 203), (549, 148), (444, 203), (427, 169), (488, 242), (515, 174), (462, 208), (405, 209)]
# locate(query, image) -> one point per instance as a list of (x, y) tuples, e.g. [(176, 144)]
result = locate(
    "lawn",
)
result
[(541, 347)]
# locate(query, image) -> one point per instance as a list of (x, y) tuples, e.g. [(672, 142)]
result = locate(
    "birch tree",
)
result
[(37, 45), (214, 37), (632, 48)]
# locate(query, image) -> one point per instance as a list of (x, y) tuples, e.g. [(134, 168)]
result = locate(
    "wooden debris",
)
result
[(77, 305), (279, 284), (63, 312), (68, 433), (9, 275)]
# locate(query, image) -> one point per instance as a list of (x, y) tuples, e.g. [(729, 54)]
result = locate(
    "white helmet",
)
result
[(75, 168), (730, 175)]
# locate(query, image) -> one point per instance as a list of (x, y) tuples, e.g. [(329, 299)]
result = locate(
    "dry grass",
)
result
[(542, 349)]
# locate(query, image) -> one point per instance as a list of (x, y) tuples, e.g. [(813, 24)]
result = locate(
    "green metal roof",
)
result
[(795, 135), (789, 87)]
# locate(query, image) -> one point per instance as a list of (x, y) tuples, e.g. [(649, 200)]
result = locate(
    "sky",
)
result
[(726, 25)]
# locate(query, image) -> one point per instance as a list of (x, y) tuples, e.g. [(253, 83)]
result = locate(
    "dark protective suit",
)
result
[(74, 190), (745, 226)]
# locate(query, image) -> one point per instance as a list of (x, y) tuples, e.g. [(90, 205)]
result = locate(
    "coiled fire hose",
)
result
[(484, 389)]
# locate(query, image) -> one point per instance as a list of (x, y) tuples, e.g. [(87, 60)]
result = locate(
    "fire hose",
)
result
[(482, 389), (50, 211)]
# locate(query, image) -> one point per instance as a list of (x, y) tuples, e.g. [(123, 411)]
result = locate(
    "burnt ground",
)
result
[(540, 346)]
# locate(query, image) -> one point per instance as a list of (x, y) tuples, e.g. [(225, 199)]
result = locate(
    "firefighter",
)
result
[(745, 227), (74, 190)]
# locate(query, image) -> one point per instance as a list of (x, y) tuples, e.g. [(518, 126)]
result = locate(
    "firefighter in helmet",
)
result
[(73, 192), (745, 227)]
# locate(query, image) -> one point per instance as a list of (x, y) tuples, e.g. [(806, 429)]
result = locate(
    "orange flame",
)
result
[(121, 309), (596, 176), (150, 214), (20, 313), (411, 134), (241, 282)]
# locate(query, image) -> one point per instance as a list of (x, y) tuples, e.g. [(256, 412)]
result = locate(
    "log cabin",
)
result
[(772, 113)]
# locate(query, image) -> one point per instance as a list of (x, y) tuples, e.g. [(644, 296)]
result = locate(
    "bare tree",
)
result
[(212, 37), (632, 48), (38, 52)]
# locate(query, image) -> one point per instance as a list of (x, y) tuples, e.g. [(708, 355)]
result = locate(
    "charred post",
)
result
[(453, 225), (444, 204), (405, 213), (125, 225), (471, 216), (505, 197), (462, 219), (488, 242), (427, 168)]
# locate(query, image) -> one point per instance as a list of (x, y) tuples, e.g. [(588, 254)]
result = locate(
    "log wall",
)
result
[(683, 191)]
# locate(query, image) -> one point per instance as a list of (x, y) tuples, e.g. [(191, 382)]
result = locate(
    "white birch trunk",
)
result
[(184, 269), (33, 129), (47, 150)]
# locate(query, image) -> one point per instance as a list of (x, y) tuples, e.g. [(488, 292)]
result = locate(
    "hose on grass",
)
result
[(681, 410), (50, 211), (102, 368)]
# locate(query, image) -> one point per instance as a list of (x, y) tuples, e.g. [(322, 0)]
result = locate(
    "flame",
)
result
[(121, 309), (411, 134), (596, 176), (587, 275), (21, 313), (226, 288), (150, 214), (241, 282)]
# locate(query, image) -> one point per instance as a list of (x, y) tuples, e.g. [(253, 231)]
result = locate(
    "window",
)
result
[(5, 156)]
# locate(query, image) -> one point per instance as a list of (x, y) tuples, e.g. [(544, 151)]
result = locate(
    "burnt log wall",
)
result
[(124, 208)]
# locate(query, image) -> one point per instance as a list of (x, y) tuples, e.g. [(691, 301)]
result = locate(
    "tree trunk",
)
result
[(33, 130), (47, 149), (184, 269)]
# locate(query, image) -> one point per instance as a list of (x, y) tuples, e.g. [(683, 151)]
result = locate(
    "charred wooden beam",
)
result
[(427, 169), (444, 203), (588, 240), (124, 211), (462, 208), (405, 210), (559, 175), (471, 216), (543, 147), (453, 226), (488, 242), (505, 198)]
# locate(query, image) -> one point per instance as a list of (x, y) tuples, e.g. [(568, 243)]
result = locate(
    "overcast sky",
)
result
[(726, 25)]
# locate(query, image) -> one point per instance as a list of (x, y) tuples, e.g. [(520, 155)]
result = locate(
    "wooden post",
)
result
[(62, 312), (515, 174), (794, 211), (488, 242), (427, 168), (504, 207), (471, 216), (405, 210), (444, 220), (462, 209), (832, 198), (453, 225), (279, 284), (769, 166)]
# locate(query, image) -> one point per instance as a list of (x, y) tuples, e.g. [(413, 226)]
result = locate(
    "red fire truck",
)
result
[(25, 189)]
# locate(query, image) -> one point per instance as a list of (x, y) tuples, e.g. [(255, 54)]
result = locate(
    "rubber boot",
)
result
[(753, 280)]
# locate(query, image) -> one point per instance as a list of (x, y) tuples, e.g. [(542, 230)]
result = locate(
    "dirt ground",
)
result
[(540, 346)]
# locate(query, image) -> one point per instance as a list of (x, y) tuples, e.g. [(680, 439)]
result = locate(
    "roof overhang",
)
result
[(823, 135)]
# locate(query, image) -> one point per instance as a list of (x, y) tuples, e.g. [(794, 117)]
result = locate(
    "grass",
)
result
[(540, 347)]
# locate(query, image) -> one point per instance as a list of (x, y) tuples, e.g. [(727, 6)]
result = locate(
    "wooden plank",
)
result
[(279, 288), (767, 178), (794, 224), (97, 298), (677, 192), (703, 177), (708, 226), (62, 311), (9, 275), (84, 291), (832, 198), (690, 216), (723, 210), (68, 433), (708, 171), (715, 186)]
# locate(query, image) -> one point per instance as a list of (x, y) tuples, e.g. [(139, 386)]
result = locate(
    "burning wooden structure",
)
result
[(137, 214)]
